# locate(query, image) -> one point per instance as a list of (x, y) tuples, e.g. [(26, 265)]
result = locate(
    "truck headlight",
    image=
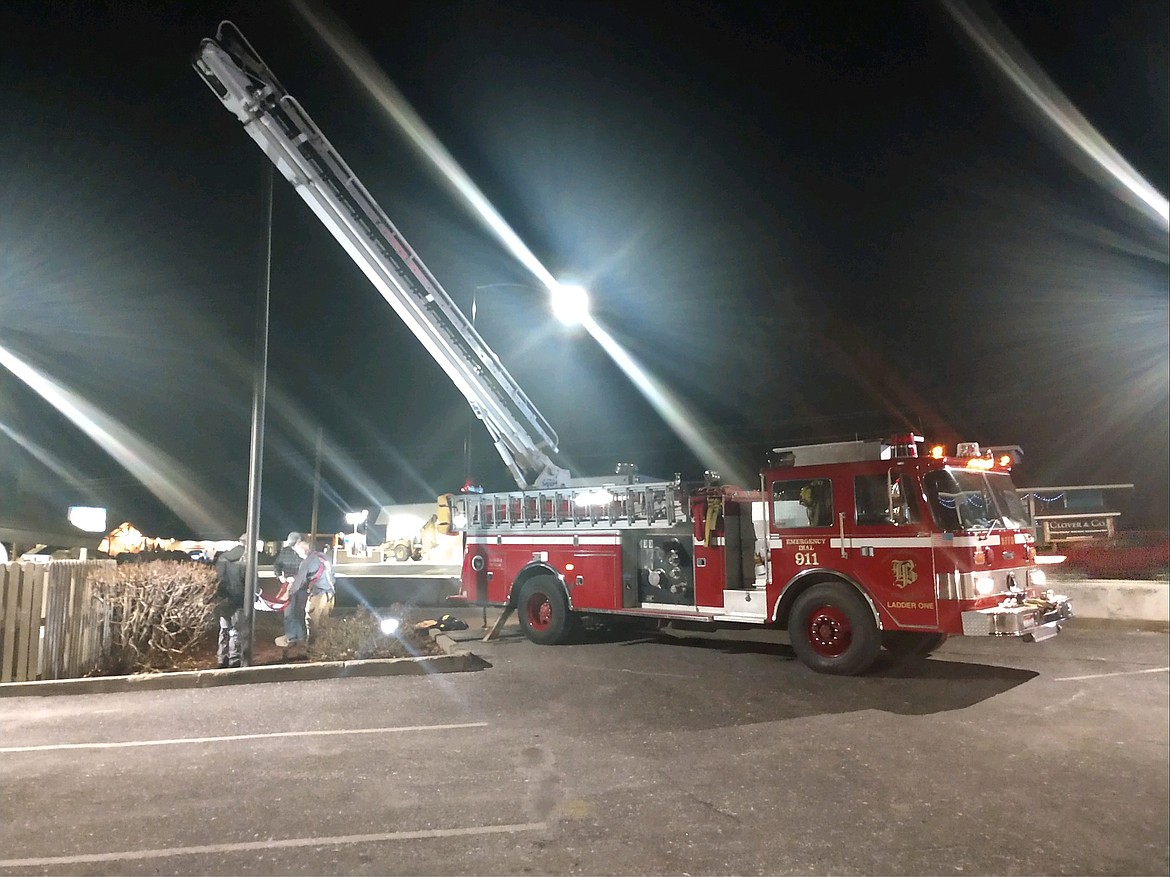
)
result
[(1037, 577), (984, 585)]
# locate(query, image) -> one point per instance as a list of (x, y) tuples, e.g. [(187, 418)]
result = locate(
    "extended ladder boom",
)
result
[(299, 150)]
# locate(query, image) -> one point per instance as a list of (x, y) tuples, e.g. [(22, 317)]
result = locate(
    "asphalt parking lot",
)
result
[(625, 754)]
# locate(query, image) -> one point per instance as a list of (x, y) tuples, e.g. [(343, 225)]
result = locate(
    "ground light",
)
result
[(389, 626)]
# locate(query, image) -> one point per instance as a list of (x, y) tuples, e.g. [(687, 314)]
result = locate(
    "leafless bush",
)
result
[(159, 612)]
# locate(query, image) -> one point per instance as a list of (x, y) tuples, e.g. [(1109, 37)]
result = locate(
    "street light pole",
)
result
[(568, 302), (316, 490), (256, 449), (470, 414), (577, 300)]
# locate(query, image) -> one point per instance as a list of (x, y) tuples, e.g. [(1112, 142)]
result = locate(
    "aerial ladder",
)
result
[(298, 149), (548, 494)]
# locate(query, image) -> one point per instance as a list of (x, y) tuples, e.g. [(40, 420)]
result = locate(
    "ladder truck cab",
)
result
[(851, 546)]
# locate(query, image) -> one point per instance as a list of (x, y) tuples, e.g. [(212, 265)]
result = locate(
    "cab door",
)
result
[(801, 522), (889, 546)]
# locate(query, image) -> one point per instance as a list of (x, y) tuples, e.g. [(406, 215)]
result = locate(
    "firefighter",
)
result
[(296, 633), (816, 505), (229, 574), (310, 594)]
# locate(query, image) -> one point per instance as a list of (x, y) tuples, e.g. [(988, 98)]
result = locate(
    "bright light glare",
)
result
[(570, 304), (984, 585), (405, 525), (355, 518), (599, 496), (49, 460), (370, 77), (88, 518), (377, 84), (1013, 61), (389, 626), (685, 422), (1039, 578), (159, 473)]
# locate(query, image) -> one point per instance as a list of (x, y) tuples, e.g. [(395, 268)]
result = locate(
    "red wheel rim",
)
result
[(829, 632), (539, 611)]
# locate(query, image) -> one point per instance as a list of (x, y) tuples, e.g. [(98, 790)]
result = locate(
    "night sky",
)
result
[(808, 221)]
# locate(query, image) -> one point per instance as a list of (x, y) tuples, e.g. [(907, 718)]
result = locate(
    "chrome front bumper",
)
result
[(1032, 621)]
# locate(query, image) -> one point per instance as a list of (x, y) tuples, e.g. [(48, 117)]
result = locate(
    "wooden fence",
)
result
[(52, 625)]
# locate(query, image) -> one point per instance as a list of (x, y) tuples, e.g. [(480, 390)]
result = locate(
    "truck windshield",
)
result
[(969, 499)]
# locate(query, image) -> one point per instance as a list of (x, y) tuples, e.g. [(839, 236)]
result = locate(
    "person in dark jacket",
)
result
[(286, 563), (296, 630), (229, 574), (309, 594)]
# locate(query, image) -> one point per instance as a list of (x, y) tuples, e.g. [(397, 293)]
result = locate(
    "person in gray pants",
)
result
[(229, 574)]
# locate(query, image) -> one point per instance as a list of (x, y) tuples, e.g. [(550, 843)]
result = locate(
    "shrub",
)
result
[(359, 636), (1132, 555), (160, 612)]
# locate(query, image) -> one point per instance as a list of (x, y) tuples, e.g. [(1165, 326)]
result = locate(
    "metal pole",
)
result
[(256, 450), (316, 491), (470, 415)]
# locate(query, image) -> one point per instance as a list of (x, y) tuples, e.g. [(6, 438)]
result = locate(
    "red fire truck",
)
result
[(850, 546)]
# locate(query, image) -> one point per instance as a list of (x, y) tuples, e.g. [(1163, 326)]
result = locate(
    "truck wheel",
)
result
[(907, 645), (544, 611), (833, 631), (402, 553)]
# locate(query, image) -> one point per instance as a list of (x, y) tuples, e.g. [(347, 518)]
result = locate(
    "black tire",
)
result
[(833, 630), (402, 553), (544, 612), (907, 645)]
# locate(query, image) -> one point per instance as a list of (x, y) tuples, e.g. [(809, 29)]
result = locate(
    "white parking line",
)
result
[(289, 843), (1106, 675), (223, 739)]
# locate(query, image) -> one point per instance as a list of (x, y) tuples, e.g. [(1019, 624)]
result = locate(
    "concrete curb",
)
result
[(454, 660), (1116, 599)]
